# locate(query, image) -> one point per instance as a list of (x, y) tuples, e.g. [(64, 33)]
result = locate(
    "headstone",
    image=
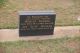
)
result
[(34, 23)]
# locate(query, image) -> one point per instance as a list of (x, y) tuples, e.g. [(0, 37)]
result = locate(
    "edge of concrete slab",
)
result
[(59, 32)]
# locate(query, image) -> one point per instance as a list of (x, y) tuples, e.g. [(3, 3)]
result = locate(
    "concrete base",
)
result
[(59, 32)]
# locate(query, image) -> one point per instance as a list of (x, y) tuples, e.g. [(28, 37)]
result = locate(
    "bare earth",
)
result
[(59, 32)]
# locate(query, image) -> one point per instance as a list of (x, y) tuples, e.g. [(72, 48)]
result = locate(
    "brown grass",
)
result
[(2, 50), (62, 45), (67, 11)]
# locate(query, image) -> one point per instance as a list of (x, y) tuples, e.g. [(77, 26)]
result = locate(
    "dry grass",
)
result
[(67, 11), (62, 45), (9, 14)]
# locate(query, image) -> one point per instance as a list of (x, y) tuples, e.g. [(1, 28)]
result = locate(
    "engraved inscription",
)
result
[(37, 23), (31, 25)]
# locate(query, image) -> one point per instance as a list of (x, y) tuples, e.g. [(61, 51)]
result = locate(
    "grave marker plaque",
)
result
[(34, 23)]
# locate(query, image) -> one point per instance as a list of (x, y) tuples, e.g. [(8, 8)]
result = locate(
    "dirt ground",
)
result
[(2, 50)]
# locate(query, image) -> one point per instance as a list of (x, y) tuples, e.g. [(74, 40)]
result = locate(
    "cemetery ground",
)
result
[(60, 45), (67, 12), (69, 42)]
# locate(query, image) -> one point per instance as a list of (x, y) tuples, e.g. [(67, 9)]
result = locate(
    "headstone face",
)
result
[(34, 23)]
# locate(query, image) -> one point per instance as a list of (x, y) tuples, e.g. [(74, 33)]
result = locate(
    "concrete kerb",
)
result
[(59, 32)]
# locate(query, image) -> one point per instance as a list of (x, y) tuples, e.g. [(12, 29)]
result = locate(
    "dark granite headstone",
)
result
[(34, 23)]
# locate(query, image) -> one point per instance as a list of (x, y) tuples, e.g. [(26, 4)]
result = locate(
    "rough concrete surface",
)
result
[(59, 32)]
